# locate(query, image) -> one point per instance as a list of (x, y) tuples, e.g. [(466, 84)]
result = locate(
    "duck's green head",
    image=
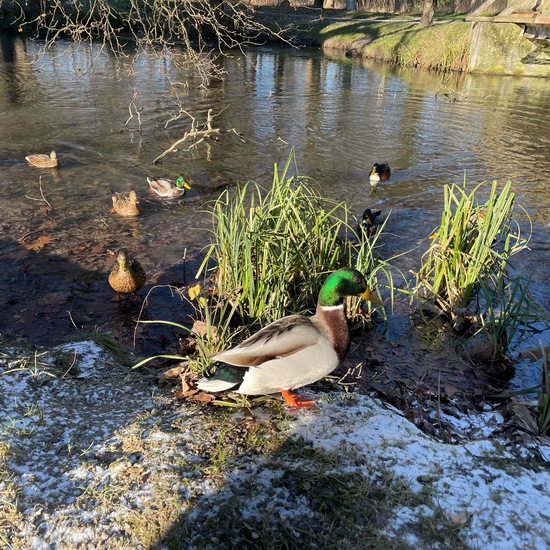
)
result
[(182, 184), (345, 282)]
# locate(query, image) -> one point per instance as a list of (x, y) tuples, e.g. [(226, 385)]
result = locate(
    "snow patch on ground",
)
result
[(83, 455), (502, 504)]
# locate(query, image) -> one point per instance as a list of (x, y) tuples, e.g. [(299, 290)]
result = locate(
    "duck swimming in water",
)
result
[(168, 189), (43, 161), (127, 276), (126, 205), (380, 172), (368, 225)]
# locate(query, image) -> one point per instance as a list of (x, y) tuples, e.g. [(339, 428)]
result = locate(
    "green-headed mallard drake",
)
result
[(293, 351), (43, 161), (127, 276), (368, 225), (126, 205), (166, 188), (380, 172)]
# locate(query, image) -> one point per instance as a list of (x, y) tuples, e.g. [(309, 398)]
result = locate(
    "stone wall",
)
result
[(502, 48)]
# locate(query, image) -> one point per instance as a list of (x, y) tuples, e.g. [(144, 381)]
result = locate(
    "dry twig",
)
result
[(41, 193), (198, 136)]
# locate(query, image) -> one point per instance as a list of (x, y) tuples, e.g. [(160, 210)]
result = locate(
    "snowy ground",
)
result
[(95, 459)]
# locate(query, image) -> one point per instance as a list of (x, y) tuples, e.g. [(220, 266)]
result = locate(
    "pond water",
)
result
[(339, 115)]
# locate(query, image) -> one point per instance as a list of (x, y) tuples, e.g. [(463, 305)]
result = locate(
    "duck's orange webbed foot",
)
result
[(297, 401)]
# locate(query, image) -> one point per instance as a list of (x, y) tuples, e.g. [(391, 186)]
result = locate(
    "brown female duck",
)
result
[(43, 161), (126, 205), (127, 276)]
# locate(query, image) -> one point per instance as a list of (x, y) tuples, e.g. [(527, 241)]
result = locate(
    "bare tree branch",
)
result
[(205, 28), (195, 134)]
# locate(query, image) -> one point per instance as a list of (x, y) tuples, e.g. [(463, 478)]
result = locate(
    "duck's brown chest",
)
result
[(334, 327)]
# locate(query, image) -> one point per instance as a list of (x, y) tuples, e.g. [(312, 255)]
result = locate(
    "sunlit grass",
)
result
[(272, 249), (443, 47)]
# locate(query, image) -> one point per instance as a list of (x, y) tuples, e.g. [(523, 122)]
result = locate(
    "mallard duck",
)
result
[(43, 161), (380, 172), (293, 351), (166, 188), (127, 276), (368, 225), (126, 205)]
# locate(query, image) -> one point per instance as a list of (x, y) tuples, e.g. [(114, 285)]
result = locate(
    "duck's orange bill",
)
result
[(371, 297)]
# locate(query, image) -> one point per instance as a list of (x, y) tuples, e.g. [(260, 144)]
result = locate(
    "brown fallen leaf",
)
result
[(174, 372), (185, 394), (202, 397), (522, 416), (39, 243), (201, 329)]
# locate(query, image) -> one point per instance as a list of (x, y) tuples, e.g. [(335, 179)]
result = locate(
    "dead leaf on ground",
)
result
[(522, 416), (201, 329), (39, 243), (134, 470), (201, 397), (174, 372), (186, 394)]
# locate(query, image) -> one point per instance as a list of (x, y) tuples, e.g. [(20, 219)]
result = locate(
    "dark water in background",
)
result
[(340, 117)]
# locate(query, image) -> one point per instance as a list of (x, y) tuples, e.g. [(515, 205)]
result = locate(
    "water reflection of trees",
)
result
[(17, 79)]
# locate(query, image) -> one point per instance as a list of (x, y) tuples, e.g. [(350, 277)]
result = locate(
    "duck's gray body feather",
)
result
[(287, 354)]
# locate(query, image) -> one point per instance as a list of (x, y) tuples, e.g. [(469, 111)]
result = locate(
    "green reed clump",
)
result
[(273, 248), (271, 251), (466, 267), (473, 244)]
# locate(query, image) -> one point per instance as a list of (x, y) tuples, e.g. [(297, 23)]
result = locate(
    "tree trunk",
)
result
[(428, 13)]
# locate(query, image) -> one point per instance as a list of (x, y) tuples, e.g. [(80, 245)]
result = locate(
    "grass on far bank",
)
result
[(444, 46), (393, 38)]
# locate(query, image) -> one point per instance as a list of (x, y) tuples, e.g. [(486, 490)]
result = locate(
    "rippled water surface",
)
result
[(340, 117)]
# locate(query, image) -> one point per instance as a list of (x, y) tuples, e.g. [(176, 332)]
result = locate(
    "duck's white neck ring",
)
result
[(332, 308)]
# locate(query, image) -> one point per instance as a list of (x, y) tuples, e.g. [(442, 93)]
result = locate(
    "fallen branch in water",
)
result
[(133, 107), (41, 193), (195, 134)]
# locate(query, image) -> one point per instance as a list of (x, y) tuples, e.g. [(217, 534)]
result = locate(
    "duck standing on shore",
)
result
[(293, 351)]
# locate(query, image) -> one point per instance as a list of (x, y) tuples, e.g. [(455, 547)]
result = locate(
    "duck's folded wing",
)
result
[(279, 339)]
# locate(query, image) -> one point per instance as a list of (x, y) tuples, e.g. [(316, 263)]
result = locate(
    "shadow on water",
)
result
[(48, 299)]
